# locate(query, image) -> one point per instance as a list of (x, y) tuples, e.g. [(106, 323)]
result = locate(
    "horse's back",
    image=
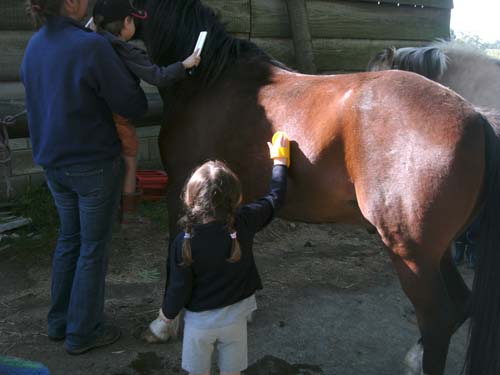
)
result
[(383, 136)]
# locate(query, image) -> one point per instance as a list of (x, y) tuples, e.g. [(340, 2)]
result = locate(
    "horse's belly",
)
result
[(321, 199)]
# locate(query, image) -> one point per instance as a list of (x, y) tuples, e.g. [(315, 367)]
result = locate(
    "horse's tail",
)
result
[(483, 354)]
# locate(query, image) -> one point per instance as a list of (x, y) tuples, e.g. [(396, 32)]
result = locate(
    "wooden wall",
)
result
[(346, 33)]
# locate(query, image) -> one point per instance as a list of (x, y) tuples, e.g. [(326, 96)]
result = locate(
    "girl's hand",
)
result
[(192, 61), (279, 149)]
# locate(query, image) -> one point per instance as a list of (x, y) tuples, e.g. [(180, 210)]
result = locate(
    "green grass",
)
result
[(38, 237), (156, 211), (493, 53), (37, 204)]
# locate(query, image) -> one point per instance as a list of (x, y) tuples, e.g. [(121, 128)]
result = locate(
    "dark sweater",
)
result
[(212, 282), (138, 63), (74, 81)]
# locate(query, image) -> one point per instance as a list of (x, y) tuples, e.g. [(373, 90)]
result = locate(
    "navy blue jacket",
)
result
[(74, 81), (212, 282)]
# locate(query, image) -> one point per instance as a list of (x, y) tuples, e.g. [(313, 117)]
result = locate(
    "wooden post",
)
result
[(299, 23)]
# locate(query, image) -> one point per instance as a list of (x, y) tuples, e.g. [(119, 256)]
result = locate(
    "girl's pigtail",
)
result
[(235, 247), (187, 256)]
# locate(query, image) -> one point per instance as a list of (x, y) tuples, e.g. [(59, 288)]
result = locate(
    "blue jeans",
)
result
[(86, 197)]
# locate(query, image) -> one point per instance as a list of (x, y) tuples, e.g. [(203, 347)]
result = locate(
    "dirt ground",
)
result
[(331, 305)]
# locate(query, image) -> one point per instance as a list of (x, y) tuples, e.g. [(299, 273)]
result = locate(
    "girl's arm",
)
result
[(258, 214), (180, 284), (161, 76), (139, 63)]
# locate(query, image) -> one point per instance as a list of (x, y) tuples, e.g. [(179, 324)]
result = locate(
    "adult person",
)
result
[(74, 81)]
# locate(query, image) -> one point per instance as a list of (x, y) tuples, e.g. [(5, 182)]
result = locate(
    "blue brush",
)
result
[(18, 366)]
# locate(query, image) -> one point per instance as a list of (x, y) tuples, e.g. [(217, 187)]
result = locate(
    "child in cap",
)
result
[(212, 270), (115, 20)]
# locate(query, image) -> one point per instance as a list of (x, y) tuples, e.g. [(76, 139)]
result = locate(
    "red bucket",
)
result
[(152, 183)]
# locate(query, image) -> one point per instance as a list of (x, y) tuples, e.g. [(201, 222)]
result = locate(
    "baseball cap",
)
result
[(115, 10)]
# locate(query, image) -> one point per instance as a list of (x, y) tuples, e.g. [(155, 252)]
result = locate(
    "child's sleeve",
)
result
[(258, 214), (111, 81), (180, 283), (139, 63)]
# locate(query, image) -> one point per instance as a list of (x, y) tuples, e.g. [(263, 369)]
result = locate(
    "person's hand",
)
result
[(279, 149), (192, 61)]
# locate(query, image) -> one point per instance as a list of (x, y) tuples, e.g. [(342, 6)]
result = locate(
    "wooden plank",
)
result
[(333, 55), (357, 20), (13, 16), (234, 14), (352, 54), (301, 32), (443, 4), (352, 19), (280, 49), (14, 224), (12, 45), (270, 19)]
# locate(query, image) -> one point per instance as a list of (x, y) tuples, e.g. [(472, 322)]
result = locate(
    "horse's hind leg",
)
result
[(436, 312), (457, 288)]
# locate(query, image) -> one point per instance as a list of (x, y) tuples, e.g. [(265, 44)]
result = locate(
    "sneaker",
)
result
[(56, 334), (56, 337), (110, 335)]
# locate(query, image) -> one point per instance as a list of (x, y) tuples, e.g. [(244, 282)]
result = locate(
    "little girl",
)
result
[(212, 269)]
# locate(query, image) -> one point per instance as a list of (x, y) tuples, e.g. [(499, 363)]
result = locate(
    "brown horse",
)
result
[(390, 148)]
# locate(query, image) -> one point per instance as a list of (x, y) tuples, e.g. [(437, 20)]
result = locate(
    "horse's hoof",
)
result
[(413, 360)]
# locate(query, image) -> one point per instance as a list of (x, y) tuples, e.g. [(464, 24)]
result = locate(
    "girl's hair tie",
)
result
[(187, 236), (233, 235)]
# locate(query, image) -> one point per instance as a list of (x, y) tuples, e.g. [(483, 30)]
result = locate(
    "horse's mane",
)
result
[(172, 30), (429, 61)]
